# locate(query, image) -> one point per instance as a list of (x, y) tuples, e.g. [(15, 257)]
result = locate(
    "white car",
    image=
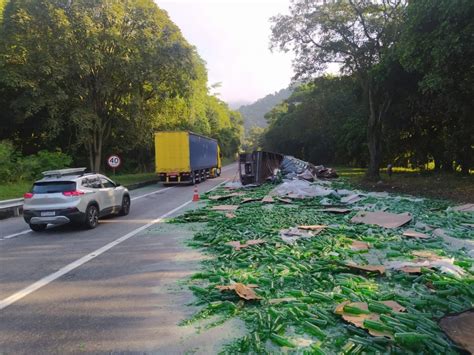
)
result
[(71, 195)]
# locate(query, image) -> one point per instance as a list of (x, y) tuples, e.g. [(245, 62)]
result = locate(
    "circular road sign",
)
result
[(114, 161)]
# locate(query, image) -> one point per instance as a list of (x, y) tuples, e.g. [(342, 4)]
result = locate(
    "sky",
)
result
[(233, 37)]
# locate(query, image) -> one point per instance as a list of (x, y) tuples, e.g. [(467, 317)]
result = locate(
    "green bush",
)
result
[(30, 167), (7, 161), (13, 167)]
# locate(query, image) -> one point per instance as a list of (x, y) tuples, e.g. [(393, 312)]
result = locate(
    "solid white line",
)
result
[(152, 193), (16, 234), (133, 199), (61, 272)]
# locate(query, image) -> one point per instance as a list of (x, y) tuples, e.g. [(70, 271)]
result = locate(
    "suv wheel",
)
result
[(38, 227), (92, 216), (125, 206)]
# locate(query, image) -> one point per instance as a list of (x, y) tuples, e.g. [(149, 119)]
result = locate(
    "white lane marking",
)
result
[(16, 234), (133, 199), (74, 265), (152, 193)]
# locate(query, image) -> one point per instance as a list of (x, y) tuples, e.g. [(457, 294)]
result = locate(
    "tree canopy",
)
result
[(412, 63), (102, 75)]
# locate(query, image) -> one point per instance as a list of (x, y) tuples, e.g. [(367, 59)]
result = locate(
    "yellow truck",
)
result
[(186, 157)]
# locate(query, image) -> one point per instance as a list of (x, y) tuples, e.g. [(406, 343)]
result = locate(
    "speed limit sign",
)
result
[(114, 161)]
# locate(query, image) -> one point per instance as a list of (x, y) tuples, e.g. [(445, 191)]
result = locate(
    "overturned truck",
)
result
[(259, 166)]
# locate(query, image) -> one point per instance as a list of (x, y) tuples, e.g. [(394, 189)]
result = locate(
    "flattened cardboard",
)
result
[(225, 208), (382, 219), (469, 207), (225, 197), (358, 319), (268, 199), (460, 329), (411, 233), (358, 245), (370, 268), (243, 291)]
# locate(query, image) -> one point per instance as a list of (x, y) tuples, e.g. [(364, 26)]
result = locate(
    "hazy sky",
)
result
[(232, 36)]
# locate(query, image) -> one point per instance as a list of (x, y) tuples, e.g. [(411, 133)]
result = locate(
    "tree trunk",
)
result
[(374, 132), (98, 154)]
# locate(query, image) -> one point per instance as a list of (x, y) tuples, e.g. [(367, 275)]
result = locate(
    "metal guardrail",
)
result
[(12, 205)]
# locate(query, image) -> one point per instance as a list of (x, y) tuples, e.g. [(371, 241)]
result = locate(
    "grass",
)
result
[(10, 191), (454, 187)]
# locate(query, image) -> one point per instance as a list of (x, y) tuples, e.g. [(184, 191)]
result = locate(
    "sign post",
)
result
[(114, 162)]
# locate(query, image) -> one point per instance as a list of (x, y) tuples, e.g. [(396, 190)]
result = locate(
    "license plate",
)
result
[(48, 214)]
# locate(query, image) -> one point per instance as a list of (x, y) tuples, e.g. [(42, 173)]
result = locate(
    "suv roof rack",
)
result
[(63, 172)]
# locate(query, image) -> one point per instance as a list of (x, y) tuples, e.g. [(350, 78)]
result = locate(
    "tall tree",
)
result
[(359, 35), (438, 43), (100, 67)]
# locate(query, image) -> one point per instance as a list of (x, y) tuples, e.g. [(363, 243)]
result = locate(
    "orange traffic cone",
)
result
[(196, 194)]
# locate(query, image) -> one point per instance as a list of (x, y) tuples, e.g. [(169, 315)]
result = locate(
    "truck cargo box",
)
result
[(179, 154)]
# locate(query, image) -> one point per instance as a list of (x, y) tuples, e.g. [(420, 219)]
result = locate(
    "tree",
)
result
[(360, 36), (101, 68), (438, 45), (321, 122)]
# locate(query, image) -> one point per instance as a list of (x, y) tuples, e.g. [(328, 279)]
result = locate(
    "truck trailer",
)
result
[(186, 157)]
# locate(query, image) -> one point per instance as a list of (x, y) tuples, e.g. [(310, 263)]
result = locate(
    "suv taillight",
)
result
[(73, 193), (28, 195)]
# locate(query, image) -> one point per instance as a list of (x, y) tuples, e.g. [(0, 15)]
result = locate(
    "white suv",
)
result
[(71, 195)]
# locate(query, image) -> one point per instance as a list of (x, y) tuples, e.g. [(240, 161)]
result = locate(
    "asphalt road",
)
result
[(107, 290)]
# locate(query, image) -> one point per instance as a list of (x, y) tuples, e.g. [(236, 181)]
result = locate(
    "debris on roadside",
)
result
[(225, 197), (396, 264), (293, 234), (268, 199), (237, 246), (464, 208), (243, 291), (353, 198), (368, 268), (382, 219), (358, 245), (300, 189), (460, 329), (225, 208), (411, 233), (249, 199), (368, 316)]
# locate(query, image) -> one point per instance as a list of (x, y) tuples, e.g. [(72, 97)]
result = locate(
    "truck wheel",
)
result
[(218, 172), (203, 175), (38, 227), (193, 179)]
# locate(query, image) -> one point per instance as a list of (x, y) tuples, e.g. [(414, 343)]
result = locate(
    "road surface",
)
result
[(111, 289)]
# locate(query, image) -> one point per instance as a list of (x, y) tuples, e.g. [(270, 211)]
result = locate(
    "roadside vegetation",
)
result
[(96, 78), (404, 96)]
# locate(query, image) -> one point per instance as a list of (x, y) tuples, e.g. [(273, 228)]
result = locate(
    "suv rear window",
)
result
[(53, 187)]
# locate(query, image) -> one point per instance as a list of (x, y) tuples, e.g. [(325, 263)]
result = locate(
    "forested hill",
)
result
[(254, 114)]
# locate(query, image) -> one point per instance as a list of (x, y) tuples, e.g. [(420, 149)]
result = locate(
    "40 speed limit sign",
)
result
[(114, 161)]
